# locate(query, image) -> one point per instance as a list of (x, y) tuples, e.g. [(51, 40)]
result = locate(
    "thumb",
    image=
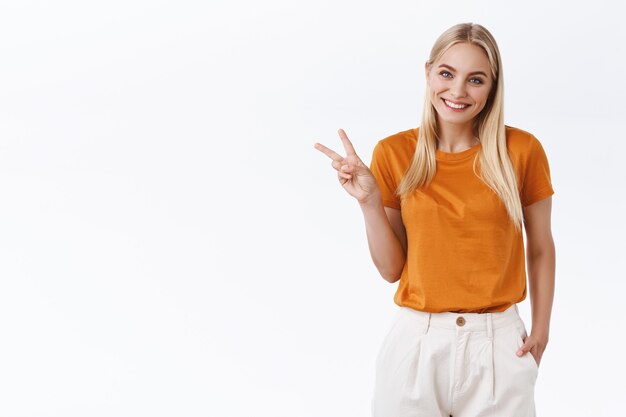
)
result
[(525, 348)]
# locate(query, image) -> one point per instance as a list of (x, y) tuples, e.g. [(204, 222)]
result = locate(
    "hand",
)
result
[(355, 177), (535, 346)]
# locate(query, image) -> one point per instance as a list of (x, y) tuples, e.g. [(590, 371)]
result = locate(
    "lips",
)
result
[(456, 102)]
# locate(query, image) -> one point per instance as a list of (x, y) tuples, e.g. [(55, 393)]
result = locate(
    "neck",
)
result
[(456, 138)]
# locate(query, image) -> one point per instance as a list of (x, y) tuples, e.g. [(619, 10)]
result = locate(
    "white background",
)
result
[(171, 244)]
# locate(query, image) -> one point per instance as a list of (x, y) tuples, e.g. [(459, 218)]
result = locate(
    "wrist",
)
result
[(372, 201), (541, 335)]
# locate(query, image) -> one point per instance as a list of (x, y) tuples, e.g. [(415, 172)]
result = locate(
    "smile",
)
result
[(453, 106)]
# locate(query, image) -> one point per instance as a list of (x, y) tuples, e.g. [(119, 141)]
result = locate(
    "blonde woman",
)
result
[(444, 207)]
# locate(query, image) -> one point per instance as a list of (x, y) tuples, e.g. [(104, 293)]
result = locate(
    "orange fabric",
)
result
[(464, 254)]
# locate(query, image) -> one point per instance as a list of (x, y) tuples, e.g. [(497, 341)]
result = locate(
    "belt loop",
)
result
[(489, 326), (427, 323), (516, 309)]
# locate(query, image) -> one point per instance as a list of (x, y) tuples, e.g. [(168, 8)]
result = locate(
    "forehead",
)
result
[(465, 58)]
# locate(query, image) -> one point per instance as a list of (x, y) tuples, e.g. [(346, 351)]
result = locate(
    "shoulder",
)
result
[(528, 158), (399, 143), (395, 152), (520, 142)]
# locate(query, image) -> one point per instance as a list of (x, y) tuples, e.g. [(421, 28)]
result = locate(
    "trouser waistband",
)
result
[(465, 321)]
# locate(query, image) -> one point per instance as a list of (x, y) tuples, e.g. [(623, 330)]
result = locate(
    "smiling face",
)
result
[(461, 75)]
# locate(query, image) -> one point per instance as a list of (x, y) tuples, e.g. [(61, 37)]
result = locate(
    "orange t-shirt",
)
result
[(463, 253)]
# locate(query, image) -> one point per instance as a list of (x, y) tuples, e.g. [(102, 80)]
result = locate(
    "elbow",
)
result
[(392, 269), (392, 279), (393, 276), (541, 251)]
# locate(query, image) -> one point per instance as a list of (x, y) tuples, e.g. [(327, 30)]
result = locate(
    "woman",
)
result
[(444, 206)]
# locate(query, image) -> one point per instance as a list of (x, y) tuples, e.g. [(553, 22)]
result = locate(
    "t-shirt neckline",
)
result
[(454, 156)]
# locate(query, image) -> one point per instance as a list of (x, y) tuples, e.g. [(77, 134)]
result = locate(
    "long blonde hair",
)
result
[(496, 169)]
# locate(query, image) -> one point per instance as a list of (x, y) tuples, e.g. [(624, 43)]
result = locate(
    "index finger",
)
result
[(329, 152), (346, 143)]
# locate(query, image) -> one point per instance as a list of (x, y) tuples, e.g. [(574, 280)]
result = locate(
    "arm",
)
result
[(386, 238), (540, 252)]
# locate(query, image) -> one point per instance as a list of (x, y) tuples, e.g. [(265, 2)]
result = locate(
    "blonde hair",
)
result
[(496, 169)]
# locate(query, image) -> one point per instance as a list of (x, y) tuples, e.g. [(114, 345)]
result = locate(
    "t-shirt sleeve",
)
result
[(537, 182), (382, 171)]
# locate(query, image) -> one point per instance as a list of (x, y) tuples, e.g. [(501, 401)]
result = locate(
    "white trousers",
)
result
[(454, 364)]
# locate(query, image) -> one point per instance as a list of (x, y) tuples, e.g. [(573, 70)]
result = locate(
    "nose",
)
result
[(458, 89)]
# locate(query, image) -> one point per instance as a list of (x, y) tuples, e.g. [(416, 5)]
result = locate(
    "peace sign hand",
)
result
[(355, 177)]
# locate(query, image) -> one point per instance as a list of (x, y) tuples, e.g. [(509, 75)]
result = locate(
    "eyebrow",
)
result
[(471, 73)]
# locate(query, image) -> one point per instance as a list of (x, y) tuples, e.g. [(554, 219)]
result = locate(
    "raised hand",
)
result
[(355, 177)]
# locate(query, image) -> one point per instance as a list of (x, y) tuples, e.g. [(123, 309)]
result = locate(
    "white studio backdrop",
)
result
[(171, 244)]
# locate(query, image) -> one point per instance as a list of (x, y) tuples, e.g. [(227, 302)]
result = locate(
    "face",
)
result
[(461, 75)]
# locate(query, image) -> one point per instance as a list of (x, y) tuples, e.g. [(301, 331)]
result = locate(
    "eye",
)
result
[(480, 81)]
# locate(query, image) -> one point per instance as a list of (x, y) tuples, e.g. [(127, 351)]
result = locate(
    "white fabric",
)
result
[(430, 365)]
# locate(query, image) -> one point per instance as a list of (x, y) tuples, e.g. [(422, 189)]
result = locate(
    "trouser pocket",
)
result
[(520, 332), (515, 376)]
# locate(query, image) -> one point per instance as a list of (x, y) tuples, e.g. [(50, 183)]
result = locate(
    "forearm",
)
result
[(385, 247), (541, 271)]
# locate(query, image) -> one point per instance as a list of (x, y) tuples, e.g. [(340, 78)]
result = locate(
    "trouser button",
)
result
[(460, 321)]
